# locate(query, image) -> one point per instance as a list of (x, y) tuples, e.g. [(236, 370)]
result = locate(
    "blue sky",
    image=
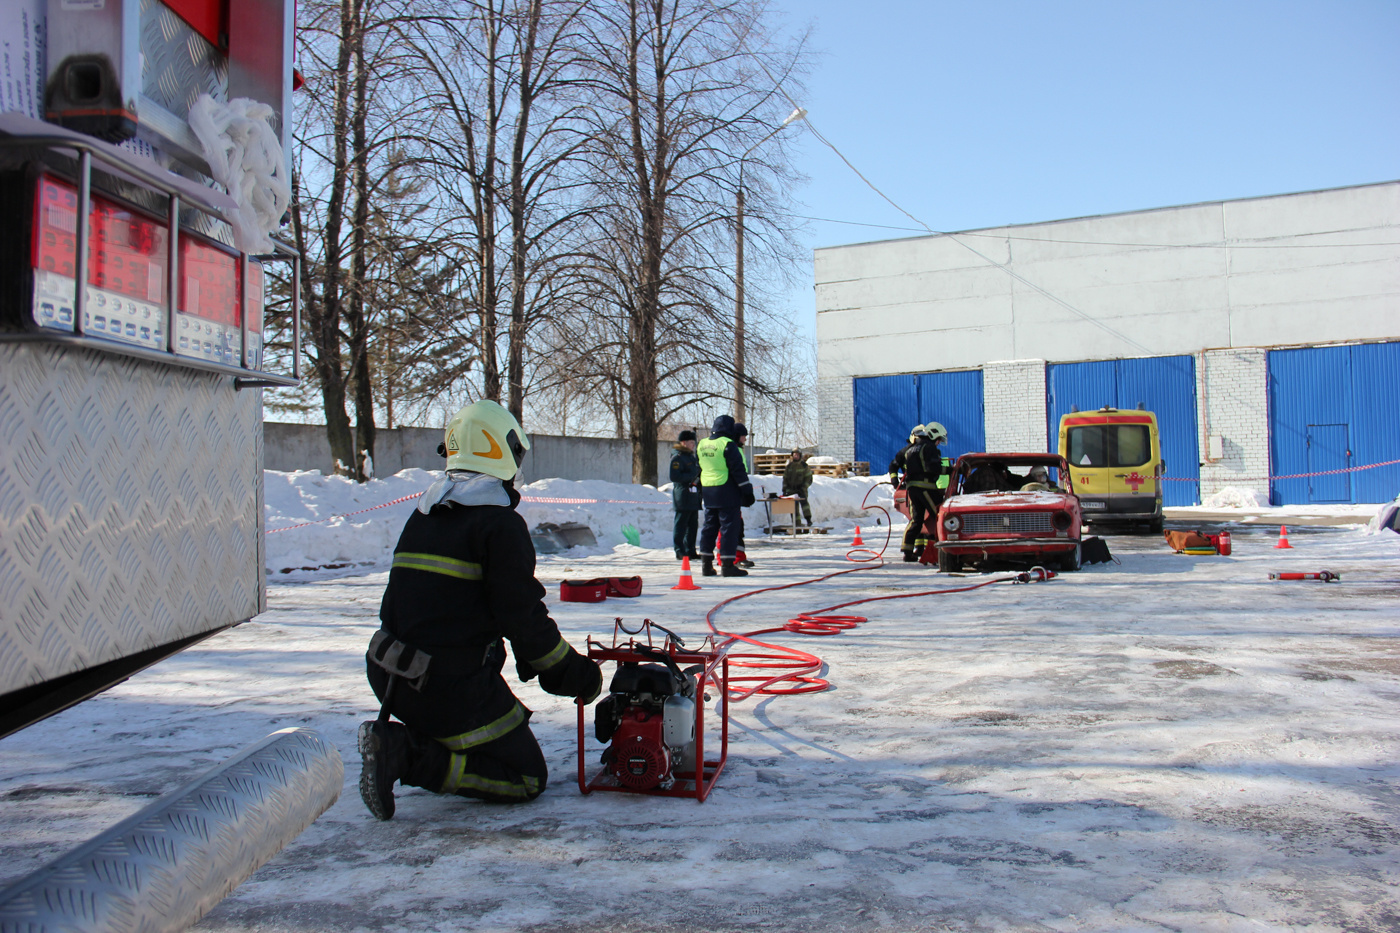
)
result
[(986, 112)]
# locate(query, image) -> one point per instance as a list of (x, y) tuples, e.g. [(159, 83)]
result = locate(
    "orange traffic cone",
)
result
[(1282, 538), (857, 542), (687, 582)]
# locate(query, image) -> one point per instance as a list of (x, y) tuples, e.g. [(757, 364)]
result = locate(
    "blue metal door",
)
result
[(1374, 437), (1165, 385), (886, 408), (1324, 402), (954, 400), (1327, 452)]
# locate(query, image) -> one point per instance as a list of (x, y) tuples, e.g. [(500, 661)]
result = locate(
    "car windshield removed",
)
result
[(1109, 445)]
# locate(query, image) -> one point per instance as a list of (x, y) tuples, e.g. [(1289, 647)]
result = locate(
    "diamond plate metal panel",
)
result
[(130, 508), (166, 866), (177, 63)]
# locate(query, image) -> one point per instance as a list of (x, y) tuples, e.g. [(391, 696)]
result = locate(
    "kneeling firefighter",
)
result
[(463, 579)]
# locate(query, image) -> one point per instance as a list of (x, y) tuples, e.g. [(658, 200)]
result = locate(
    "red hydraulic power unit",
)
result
[(653, 719)]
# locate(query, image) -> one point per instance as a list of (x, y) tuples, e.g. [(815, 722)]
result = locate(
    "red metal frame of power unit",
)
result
[(715, 671)]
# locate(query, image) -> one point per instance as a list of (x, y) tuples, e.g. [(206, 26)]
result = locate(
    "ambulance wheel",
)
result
[(1072, 560), (947, 563), (1156, 525)]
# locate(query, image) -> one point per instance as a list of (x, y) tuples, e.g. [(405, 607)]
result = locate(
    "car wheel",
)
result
[(947, 563), (1071, 560)]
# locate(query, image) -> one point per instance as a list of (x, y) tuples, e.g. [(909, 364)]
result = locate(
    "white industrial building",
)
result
[(1264, 331)]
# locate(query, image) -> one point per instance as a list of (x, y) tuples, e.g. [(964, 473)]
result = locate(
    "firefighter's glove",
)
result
[(575, 676), (746, 498), (526, 672)]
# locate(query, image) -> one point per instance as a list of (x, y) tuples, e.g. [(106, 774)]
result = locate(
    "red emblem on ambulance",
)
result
[(1134, 479)]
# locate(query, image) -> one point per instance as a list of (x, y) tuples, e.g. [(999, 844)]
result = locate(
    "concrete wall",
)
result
[(1232, 400), (304, 447), (1013, 404), (1292, 269), (837, 405), (1317, 267)]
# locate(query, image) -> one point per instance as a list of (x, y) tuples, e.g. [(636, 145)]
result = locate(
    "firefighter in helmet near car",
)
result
[(462, 583), (917, 468)]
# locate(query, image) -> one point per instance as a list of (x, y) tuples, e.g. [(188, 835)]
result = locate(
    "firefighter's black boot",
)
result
[(707, 566), (728, 568), (384, 757), (910, 557)]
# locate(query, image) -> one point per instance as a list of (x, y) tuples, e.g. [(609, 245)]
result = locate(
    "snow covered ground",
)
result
[(1168, 743)]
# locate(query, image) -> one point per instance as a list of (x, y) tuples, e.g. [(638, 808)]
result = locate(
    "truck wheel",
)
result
[(947, 563), (1072, 560)]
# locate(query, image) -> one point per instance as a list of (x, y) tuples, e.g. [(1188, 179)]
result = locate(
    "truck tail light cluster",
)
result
[(128, 270)]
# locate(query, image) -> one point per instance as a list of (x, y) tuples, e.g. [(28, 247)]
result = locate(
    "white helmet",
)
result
[(936, 432), (485, 438), (917, 430)]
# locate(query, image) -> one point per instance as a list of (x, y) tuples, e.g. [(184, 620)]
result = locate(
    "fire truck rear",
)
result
[(133, 281)]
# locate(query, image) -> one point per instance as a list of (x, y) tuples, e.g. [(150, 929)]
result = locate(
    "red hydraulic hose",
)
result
[(786, 671)]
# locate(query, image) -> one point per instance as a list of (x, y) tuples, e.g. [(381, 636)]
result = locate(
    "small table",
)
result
[(779, 506)]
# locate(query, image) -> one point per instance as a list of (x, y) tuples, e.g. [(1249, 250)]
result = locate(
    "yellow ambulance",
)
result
[(1115, 464)]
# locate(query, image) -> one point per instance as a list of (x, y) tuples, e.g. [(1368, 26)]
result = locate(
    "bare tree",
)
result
[(675, 99), (345, 126)]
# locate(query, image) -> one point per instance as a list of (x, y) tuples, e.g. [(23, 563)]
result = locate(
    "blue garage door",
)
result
[(888, 406), (1165, 385), (1332, 409)]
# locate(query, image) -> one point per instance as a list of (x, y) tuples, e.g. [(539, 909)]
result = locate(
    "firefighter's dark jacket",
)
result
[(737, 489), (463, 578), (685, 477), (922, 463)]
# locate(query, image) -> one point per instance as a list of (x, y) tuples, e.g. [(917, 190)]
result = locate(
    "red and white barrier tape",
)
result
[(552, 500), (322, 521), (1369, 466)]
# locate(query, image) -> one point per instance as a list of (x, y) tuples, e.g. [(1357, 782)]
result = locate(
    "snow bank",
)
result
[(330, 522), (1233, 497)]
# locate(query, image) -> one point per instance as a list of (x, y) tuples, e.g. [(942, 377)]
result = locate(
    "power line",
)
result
[(857, 223), (972, 249), (1042, 239)]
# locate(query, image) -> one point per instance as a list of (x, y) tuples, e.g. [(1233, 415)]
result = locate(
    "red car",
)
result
[(996, 510)]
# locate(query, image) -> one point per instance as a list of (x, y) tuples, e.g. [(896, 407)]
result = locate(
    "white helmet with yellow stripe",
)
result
[(485, 438)]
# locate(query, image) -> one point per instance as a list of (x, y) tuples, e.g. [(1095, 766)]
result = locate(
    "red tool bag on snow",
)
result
[(1181, 540), (583, 591), (624, 586)]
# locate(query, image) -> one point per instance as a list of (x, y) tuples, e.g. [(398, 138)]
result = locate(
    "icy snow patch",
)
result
[(1233, 497)]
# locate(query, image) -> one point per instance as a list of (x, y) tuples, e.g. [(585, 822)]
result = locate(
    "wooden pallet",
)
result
[(801, 530), (775, 464), (770, 464)]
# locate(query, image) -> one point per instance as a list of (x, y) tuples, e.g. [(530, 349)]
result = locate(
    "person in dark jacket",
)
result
[(725, 489), (685, 495), (797, 479), (462, 583), (741, 438), (921, 464)]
